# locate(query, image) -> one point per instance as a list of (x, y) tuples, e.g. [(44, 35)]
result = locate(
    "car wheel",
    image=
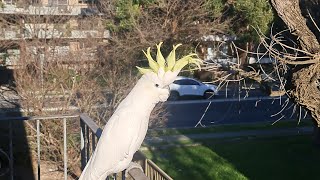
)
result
[(208, 94), (174, 96)]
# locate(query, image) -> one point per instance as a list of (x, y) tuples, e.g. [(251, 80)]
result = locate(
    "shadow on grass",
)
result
[(291, 157)]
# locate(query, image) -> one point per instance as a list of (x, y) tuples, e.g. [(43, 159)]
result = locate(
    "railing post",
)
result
[(93, 137), (87, 140), (83, 144), (38, 147), (146, 168), (123, 175), (10, 150), (65, 157)]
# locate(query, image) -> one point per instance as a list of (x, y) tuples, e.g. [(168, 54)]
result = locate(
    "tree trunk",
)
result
[(289, 11), (306, 86), (306, 89)]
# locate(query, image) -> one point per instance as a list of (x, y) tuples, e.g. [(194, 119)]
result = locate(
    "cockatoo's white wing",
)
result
[(127, 128), (117, 143)]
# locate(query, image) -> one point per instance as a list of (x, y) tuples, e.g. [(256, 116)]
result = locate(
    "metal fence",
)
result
[(90, 133), (154, 172), (38, 119)]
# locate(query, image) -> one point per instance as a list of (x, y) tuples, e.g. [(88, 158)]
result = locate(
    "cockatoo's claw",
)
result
[(132, 165)]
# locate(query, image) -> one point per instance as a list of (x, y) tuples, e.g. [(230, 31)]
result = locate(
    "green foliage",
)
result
[(4, 58), (215, 7), (245, 15), (126, 14), (141, 2), (252, 14)]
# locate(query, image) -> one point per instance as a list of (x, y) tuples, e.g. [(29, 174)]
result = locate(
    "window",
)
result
[(58, 2), (83, 1), (9, 1), (186, 82), (179, 82), (191, 82)]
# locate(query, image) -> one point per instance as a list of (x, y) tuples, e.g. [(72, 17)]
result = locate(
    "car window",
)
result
[(179, 82), (191, 82), (186, 82)]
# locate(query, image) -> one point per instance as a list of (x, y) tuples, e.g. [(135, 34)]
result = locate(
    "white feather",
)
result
[(126, 129)]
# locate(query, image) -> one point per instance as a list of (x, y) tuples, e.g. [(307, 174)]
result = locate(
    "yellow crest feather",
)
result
[(153, 64), (160, 59), (170, 64), (171, 59), (144, 70)]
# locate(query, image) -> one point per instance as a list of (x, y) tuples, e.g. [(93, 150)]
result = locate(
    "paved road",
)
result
[(221, 110), (227, 108)]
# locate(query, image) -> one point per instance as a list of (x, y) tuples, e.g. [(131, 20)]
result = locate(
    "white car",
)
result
[(184, 86)]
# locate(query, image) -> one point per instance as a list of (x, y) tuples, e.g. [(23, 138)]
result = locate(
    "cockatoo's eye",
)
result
[(157, 85)]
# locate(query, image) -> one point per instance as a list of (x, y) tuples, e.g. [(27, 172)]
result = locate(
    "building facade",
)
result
[(49, 29)]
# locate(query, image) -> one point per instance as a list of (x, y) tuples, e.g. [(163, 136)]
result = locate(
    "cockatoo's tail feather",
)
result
[(170, 64)]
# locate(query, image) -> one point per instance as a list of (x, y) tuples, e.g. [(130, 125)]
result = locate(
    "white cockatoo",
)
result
[(126, 129)]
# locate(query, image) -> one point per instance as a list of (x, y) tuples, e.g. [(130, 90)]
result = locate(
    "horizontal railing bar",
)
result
[(91, 124), (23, 118), (137, 174)]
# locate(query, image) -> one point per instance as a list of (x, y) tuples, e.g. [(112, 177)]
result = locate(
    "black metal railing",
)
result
[(11, 120), (90, 133)]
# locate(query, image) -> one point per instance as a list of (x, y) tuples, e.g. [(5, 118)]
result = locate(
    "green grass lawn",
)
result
[(274, 158)]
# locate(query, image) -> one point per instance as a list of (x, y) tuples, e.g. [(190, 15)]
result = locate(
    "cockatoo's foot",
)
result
[(133, 165)]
